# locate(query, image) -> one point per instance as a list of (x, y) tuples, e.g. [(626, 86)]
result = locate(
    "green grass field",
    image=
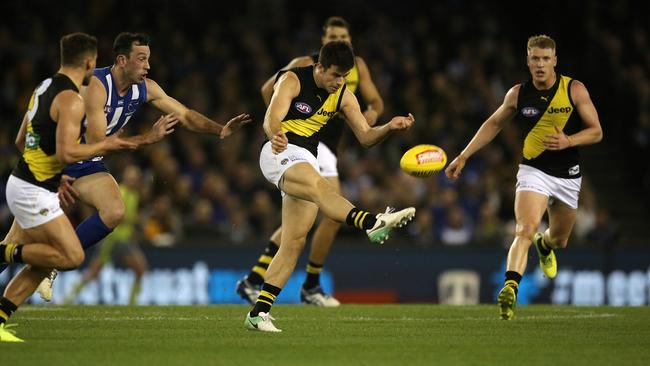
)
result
[(349, 335)]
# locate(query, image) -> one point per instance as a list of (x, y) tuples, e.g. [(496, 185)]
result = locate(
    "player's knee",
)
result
[(73, 259), (322, 190), (330, 224), (113, 215), (559, 242), (526, 230), (295, 245), (140, 270)]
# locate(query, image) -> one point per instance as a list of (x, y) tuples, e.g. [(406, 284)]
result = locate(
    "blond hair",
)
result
[(540, 41)]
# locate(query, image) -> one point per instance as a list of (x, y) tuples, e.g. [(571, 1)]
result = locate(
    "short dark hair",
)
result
[(335, 22), (337, 53), (75, 47), (124, 42)]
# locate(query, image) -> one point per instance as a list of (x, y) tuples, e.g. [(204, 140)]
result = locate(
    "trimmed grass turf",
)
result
[(349, 335)]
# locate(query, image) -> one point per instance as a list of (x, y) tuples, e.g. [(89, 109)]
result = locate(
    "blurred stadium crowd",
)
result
[(449, 63)]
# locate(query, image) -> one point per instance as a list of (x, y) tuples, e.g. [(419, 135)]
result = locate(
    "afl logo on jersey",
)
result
[(529, 112), (303, 108)]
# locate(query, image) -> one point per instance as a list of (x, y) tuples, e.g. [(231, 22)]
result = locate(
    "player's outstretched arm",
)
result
[(161, 128), (370, 136), (486, 133), (189, 118)]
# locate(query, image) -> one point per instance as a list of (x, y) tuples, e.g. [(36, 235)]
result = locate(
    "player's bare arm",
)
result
[(94, 96), (591, 134), (370, 136), (287, 88), (267, 88), (20, 137), (68, 109), (189, 118), (369, 93), (487, 132)]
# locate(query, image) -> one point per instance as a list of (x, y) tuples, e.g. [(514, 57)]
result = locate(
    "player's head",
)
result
[(541, 59), (335, 61), (336, 29), (79, 50), (132, 55)]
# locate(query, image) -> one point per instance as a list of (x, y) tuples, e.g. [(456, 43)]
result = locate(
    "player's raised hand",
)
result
[(163, 127), (401, 122), (234, 124), (67, 194), (455, 167), (279, 142), (116, 142)]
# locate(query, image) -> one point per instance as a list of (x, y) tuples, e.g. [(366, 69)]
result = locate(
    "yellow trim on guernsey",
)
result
[(557, 114), (312, 124)]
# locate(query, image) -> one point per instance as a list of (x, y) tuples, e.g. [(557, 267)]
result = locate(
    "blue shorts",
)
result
[(84, 168)]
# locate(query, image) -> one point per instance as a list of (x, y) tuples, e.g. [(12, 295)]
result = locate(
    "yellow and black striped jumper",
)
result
[(38, 164), (310, 111), (332, 133), (538, 113)]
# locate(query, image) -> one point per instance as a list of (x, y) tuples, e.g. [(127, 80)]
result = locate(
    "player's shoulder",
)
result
[(301, 61), (360, 61), (70, 100), (514, 90), (577, 84)]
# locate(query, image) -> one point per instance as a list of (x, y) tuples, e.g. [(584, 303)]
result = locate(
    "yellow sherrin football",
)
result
[(423, 160)]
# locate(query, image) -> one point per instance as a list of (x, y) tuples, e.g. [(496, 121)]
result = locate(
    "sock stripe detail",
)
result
[(363, 217), (267, 294), (9, 253), (356, 218), (260, 299), (313, 269), (4, 315), (259, 270), (265, 259)]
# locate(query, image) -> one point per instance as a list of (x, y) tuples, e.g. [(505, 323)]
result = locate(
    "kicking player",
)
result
[(359, 82), (304, 100)]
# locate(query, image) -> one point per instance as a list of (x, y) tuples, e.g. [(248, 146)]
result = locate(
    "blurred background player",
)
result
[(48, 138), (556, 114), (114, 94), (359, 82), (304, 100), (122, 243)]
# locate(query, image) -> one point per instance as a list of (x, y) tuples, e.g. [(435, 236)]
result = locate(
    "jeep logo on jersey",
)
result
[(551, 110), (325, 113), (529, 112), (303, 107)]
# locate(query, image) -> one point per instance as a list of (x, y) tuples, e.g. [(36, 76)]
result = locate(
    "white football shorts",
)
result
[(30, 204), (327, 161), (273, 166), (561, 189)]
